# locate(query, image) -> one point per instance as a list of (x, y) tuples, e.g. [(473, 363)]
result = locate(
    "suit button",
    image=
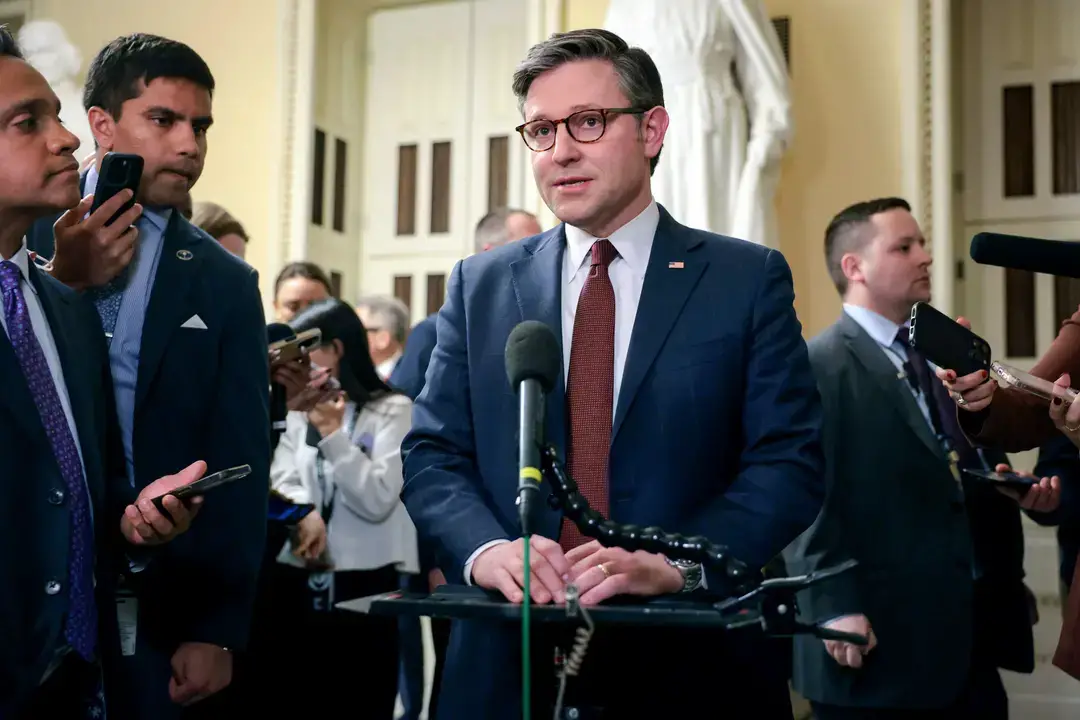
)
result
[(52, 587), (56, 496)]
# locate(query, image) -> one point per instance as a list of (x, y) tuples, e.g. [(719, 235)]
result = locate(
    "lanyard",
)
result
[(349, 427)]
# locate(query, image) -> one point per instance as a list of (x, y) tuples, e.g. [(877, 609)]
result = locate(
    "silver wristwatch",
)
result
[(690, 571)]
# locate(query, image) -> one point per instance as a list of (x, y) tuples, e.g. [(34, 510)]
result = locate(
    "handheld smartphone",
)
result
[(1037, 386), (296, 347), (1009, 480), (203, 485), (282, 510), (947, 343), (119, 171)]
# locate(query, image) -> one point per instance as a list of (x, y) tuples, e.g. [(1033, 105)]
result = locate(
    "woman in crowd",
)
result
[(298, 285), (343, 457)]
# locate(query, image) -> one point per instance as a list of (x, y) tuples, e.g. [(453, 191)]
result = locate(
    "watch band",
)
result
[(691, 573)]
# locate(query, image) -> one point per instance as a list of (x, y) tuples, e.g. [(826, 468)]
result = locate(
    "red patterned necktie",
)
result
[(590, 389)]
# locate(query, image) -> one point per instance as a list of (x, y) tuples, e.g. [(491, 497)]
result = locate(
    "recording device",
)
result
[(947, 343), (286, 347), (1037, 386), (119, 171), (533, 363), (278, 335), (1010, 480), (1053, 257), (283, 510), (202, 486)]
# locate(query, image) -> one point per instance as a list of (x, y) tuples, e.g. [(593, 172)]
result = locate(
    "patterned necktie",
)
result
[(590, 389), (938, 404), (81, 628)]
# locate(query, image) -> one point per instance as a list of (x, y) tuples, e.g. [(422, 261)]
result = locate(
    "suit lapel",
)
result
[(57, 309), (16, 395), (663, 296), (168, 299), (535, 277), (870, 355)]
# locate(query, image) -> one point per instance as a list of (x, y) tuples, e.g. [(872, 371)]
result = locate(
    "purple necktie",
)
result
[(81, 628)]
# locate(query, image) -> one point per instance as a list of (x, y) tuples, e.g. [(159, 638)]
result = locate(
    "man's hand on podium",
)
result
[(502, 567), (603, 572)]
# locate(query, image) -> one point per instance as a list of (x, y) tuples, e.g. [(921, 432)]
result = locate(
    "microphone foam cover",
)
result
[(533, 353)]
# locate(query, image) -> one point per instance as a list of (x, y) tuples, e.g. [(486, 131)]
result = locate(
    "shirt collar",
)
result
[(22, 261), (386, 367), (633, 241), (158, 217), (880, 328)]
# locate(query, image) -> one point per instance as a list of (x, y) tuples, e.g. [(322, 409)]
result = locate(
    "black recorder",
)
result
[(946, 343)]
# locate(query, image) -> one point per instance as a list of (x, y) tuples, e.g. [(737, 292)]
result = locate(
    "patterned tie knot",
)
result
[(603, 252), (10, 275)]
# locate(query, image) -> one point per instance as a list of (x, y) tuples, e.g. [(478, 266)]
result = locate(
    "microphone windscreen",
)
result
[(276, 332), (1053, 257), (533, 353)]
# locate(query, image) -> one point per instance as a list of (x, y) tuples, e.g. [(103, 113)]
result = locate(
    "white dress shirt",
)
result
[(386, 368), (633, 241), (45, 338)]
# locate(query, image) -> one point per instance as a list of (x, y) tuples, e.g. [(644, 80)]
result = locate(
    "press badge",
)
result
[(127, 617)]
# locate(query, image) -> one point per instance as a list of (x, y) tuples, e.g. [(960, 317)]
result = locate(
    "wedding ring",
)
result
[(603, 569), (959, 399)]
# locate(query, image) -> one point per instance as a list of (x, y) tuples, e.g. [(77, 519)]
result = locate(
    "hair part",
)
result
[(638, 77), (124, 67), (9, 47), (390, 313), (846, 233), (216, 221), (491, 230), (303, 269)]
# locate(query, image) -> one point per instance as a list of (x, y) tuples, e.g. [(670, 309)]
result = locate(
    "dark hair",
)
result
[(308, 270), (8, 46), (338, 321), (638, 77), (844, 234), (126, 65), (216, 221)]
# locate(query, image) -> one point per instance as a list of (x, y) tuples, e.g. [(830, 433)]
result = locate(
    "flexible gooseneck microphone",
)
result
[(279, 408), (533, 364), (1053, 257)]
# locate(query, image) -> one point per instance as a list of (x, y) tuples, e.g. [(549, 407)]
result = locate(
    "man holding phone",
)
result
[(59, 521), (187, 345), (939, 587)]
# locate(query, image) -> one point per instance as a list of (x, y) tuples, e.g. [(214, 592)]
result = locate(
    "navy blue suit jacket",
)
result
[(411, 369), (201, 395), (716, 430), (34, 512)]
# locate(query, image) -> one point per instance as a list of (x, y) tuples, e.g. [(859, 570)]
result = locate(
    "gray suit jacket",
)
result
[(893, 505)]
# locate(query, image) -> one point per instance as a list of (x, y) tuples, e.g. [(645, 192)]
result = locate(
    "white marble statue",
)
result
[(717, 171), (46, 47)]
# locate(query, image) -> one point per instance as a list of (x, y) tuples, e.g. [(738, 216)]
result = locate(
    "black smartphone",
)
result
[(1009, 480), (283, 510), (119, 171), (947, 343), (203, 485)]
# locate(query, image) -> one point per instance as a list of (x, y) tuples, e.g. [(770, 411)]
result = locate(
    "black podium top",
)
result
[(473, 603)]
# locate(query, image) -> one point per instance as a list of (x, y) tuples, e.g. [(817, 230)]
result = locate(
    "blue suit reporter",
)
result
[(69, 519), (686, 401), (188, 355)]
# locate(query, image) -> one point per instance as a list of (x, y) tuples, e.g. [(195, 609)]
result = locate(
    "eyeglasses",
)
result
[(584, 126)]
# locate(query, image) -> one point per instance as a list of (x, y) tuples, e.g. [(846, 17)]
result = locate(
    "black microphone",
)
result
[(279, 408), (1053, 257), (533, 364)]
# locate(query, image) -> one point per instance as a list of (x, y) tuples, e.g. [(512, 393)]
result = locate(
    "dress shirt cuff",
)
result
[(476, 554)]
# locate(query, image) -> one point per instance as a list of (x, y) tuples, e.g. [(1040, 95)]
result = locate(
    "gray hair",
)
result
[(491, 230), (391, 314), (638, 77)]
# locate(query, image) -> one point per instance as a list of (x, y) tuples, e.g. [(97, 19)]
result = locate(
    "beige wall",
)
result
[(241, 167), (847, 88)]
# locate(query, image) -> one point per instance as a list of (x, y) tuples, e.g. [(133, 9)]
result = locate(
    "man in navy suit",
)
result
[(188, 351), (686, 402), (66, 507)]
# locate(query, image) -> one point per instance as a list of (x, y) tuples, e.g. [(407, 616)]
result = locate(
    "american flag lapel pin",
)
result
[(676, 265)]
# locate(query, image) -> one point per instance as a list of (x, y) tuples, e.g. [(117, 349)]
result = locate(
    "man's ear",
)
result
[(103, 126), (851, 265)]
